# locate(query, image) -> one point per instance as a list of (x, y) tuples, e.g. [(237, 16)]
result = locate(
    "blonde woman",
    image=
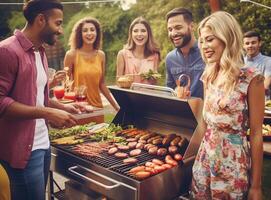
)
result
[(140, 54), (86, 62), (226, 167)]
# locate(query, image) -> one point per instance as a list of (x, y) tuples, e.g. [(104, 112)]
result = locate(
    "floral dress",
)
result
[(221, 168)]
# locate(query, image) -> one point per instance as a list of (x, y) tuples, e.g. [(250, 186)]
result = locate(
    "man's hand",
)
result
[(59, 118), (75, 108)]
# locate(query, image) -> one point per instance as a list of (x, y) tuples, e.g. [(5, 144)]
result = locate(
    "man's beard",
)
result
[(47, 36), (186, 38)]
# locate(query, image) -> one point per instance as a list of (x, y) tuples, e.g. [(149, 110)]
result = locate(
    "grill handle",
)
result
[(154, 88), (108, 187)]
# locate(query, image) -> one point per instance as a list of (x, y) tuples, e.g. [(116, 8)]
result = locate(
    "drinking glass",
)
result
[(80, 93), (59, 92), (51, 74)]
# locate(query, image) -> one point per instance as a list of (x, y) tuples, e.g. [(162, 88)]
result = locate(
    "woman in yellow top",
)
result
[(4, 185), (86, 61)]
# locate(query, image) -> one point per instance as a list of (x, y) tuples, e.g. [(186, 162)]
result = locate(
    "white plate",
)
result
[(268, 112)]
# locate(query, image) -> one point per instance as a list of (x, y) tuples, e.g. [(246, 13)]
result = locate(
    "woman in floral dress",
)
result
[(226, 166)]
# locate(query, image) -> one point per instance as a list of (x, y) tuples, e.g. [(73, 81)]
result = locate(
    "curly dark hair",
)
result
[(76, 40)]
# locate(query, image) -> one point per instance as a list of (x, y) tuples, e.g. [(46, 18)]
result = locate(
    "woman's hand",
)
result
[(255, 194), (58, 78)]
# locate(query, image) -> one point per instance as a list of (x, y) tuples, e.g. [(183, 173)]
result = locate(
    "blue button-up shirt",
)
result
[(260, 62), (192, 65)]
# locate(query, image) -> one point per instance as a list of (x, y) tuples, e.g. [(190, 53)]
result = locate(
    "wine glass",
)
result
[(80, 93)]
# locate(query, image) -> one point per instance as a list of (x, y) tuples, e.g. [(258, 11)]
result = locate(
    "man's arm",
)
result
[(11, 109)]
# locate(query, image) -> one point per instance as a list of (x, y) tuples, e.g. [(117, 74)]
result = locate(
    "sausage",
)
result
[(151, 170), (172, 149), (159, 168), (157, 141), (148, 146), (175, 141), (139, 145), (157, 161), (153, 138), (139, 135), (130, 160), (147, 136), (131, 139), (137, 169), (153, 150), (123, 147), (172, 162), (182, 143), (167, 166), (121, 155), (125, 132), (178, 157), (168, 138), (168, 157), (161, 151), (142, 141), (135, 152), (132, 145), (112, 150), (142, 175), (133, 133), (150, 164)]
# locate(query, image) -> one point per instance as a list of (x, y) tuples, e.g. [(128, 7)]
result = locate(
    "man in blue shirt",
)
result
[(186, 57), (254, 58)]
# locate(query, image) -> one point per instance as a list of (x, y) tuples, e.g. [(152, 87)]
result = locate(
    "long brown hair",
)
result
[(151, 46), (76, 40)]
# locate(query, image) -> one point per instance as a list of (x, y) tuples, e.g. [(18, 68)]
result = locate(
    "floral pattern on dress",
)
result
[(221, 168)]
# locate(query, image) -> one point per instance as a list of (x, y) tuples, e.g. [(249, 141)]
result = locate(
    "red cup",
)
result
[(59, 92)]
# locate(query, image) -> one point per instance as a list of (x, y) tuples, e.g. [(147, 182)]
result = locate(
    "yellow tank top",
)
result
[(88, 72), (4, 185)]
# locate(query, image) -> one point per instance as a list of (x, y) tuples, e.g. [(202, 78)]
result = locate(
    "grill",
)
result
[(146, 110)]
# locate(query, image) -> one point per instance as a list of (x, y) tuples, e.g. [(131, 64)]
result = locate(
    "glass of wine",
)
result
[(80, 93)]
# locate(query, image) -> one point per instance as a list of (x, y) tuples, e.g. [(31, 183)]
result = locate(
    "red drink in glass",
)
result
[(81, 98), (59, 92)]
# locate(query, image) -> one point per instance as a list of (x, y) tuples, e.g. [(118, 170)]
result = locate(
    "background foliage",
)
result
[(115, 22)]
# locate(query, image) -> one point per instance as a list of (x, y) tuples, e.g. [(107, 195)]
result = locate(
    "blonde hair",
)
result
[(76, 40), (224, 27)]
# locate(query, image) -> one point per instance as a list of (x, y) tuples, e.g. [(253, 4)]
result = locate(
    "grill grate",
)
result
[(113, 163)]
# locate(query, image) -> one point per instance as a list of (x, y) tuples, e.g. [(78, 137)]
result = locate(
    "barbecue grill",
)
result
[(108, 175)]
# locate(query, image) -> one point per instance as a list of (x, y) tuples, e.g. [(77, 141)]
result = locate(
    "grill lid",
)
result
[(160, 113)]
